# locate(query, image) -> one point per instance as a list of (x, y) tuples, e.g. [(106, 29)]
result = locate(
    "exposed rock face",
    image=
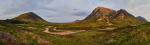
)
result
[(108, 16), (100, 13), (30, 17), (122, 14)]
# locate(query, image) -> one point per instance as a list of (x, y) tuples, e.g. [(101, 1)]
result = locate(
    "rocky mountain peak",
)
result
[(103, 11), (100, 13), (123, 14), (30, 14), (122, 10), (110, 17)]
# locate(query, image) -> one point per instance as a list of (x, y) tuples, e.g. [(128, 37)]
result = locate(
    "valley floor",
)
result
[(32, 34), (63, 32)]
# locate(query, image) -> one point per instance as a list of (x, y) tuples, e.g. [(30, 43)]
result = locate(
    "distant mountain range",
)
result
[(103, 26), (142, 19), (100, 15)]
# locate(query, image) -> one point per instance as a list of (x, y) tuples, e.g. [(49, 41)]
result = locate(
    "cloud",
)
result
[(12, 8), (69, 10), (81, 13)]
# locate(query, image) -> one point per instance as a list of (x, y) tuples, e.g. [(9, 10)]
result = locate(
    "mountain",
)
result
[(106, 16), (142, 19), (30, 17), (100, 13), (125, 18), (76, 21), (99, 28)]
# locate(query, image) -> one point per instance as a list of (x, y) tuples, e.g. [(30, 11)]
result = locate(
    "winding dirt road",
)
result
[(64, 32)]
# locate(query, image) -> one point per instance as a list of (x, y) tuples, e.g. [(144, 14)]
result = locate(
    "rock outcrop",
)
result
[(108, 16)]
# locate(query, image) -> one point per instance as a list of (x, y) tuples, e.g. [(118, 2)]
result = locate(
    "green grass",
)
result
[(130, 35)]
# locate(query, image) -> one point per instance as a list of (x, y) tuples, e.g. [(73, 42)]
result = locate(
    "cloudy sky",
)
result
[(70, 10)]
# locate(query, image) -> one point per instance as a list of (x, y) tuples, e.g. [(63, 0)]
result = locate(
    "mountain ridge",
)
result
[(30, 17), (108, 16), (98, 29)]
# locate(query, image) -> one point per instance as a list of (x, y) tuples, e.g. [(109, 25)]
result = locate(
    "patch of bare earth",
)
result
[(64, 32)]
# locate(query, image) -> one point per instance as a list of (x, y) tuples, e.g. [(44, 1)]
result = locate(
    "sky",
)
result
[(70, 10)]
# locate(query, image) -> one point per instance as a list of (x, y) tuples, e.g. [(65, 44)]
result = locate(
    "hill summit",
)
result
[(106, 16), (30, 17)]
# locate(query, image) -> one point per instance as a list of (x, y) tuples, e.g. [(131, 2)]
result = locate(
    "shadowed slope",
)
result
[(30, 17)]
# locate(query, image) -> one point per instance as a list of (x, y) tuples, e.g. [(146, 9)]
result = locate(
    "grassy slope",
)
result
[(31, 34)]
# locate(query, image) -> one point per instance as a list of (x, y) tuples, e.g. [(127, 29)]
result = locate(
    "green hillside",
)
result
[(30, 17), (31, 34), (102, 27)]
